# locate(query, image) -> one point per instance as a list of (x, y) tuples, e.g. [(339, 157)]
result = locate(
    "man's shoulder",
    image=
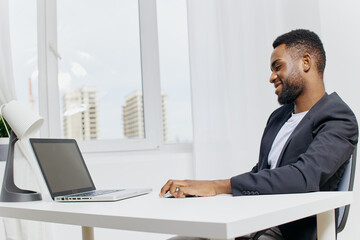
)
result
[(332, 108), (331, 103), (334, 98)]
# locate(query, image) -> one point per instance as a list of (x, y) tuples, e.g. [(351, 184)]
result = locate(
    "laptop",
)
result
[(67, 176)]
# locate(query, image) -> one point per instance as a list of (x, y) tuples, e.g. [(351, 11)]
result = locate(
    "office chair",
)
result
[(346, 184)]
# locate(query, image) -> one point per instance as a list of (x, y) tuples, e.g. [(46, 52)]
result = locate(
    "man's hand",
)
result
[(183, 188)]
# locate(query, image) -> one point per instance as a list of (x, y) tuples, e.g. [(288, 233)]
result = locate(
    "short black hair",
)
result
[(304, 41)]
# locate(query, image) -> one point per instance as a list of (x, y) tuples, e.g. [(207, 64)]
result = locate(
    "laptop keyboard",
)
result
[(96, 193)]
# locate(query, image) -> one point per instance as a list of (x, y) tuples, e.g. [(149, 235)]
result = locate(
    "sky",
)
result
[(100, 47)]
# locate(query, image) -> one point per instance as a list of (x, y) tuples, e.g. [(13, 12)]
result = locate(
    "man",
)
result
[(306, 142)]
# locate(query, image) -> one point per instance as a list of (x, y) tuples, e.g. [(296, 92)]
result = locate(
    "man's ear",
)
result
[(306, 62)]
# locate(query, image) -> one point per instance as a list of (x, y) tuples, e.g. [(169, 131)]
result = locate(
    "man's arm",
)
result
[(183, 188)]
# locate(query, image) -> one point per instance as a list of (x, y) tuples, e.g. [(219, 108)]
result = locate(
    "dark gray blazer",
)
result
[(313, 158)]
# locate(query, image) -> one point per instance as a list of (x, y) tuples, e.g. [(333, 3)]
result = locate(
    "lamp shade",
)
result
[(21, 119)]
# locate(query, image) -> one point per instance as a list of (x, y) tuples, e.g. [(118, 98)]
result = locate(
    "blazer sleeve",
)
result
[(334, 139)]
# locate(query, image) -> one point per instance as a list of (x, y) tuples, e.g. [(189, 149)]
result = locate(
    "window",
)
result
[(100, 70), (99, 74)]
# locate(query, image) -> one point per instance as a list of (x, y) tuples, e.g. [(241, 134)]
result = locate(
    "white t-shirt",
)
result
[(282, 137)]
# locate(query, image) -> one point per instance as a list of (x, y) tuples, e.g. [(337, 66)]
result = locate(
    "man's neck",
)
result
[(307, 100)]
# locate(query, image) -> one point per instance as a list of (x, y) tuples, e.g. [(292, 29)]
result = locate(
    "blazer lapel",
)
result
[(304, 121), (272, 133)]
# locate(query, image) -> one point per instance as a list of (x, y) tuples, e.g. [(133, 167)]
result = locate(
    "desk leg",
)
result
[(87, 233), (326, 225)]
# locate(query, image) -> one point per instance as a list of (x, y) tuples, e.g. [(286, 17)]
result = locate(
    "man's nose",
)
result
[(273, 77)]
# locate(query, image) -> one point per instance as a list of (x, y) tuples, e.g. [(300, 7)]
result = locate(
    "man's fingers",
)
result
[(166, 188), (173, 189), (180, 193), (171, 186)]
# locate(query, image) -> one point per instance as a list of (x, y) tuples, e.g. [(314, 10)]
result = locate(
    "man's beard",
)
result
[(291, 89)]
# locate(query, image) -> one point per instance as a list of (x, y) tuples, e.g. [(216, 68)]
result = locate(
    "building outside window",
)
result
[(80, 118), (133, 116)]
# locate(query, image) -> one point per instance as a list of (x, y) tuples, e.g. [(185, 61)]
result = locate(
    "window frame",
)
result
[(48, 81)]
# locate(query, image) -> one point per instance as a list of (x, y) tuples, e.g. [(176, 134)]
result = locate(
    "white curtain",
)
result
[(230, 46), (26, 173), (7, 86)]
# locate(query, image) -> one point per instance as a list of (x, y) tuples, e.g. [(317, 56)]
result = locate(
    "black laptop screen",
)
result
[(62, 165)]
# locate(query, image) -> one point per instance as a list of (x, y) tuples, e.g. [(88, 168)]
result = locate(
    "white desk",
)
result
[(220, 217)]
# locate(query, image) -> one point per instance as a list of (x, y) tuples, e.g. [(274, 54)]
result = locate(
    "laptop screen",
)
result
[(62, 166)]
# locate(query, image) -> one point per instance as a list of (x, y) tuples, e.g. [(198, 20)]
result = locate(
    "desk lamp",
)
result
[(23, 123)]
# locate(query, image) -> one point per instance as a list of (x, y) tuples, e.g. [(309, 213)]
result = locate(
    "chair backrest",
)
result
[(346, 184)]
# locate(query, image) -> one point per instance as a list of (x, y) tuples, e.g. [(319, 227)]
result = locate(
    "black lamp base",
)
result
[(9, 191), (19, 196)]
